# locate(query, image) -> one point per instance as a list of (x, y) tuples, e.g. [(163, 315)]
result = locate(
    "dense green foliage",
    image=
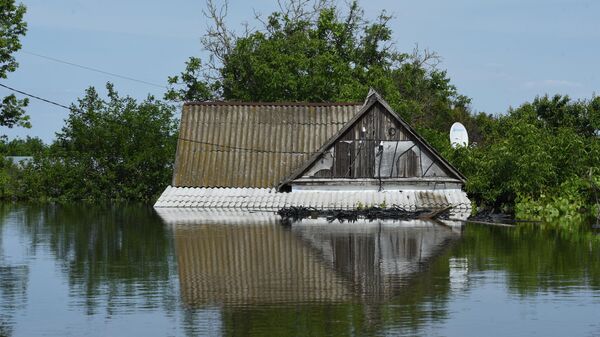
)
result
[(13, 28), (542, 157), (115, 149), (21, 147)]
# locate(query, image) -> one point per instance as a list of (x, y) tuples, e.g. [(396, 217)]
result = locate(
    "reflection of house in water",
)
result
[(309, 262), (378, 258)]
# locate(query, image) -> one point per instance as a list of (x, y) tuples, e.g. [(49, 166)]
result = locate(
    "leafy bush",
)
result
[(568, 207), (540, 161), (115, 149)]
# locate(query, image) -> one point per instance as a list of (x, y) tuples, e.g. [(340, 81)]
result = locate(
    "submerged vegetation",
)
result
[(538, 161)]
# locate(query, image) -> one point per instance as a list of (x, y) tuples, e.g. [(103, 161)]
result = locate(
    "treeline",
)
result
[(109, 149), (539, 160)]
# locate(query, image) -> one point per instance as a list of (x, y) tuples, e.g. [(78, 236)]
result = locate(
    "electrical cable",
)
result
[(244, 148), (180, 138), (36, 97), (94, 69)]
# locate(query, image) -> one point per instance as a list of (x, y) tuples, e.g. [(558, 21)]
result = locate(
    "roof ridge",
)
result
[(226, 103)]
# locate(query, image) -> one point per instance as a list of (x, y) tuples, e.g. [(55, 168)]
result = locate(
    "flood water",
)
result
[(121, 271)]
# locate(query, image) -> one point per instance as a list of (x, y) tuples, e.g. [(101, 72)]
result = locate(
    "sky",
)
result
[(500, 53)]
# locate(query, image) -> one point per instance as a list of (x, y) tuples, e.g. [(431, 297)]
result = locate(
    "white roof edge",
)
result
[(269, 199)]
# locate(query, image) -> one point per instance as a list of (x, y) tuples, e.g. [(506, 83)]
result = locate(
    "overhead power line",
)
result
[(241, 148), (94, 69), (35, 97), (181, 138)]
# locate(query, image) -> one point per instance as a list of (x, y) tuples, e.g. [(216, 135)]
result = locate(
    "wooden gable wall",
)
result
[(376, 146)]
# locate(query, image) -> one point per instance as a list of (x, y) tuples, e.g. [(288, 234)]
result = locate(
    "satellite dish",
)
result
[(458, 135)]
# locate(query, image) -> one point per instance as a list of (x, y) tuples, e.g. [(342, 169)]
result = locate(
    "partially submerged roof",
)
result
[(266, 145), (234, 144)]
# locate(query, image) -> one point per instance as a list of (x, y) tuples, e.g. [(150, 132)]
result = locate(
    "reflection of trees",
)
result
[(13, 282), (535, 259), (114, 255), (13, 290)]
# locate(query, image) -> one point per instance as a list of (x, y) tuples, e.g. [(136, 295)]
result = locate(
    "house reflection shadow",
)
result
[(235, 260)]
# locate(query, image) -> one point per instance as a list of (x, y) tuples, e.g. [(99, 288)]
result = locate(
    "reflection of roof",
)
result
[(240, 264), (252, 144), (250, 264)]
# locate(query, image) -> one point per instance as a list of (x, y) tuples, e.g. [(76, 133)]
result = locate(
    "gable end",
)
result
[(376, 144)]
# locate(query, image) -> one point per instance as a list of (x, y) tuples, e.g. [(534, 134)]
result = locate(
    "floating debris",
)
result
[(292, 214), (490, 216)]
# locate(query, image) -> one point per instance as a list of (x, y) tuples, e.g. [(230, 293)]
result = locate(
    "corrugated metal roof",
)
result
[(225, 144), (268, 199), (272, 103)]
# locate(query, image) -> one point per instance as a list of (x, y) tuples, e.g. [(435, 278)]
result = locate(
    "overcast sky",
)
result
[(500, 53)]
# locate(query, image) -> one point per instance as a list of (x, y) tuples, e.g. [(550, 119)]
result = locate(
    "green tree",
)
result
[(12, 29), (541, 157), (189, 85), (114, 148), (321, 53), (22, 147)]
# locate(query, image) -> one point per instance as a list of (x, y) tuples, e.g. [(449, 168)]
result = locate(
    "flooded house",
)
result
[(267, 156)]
